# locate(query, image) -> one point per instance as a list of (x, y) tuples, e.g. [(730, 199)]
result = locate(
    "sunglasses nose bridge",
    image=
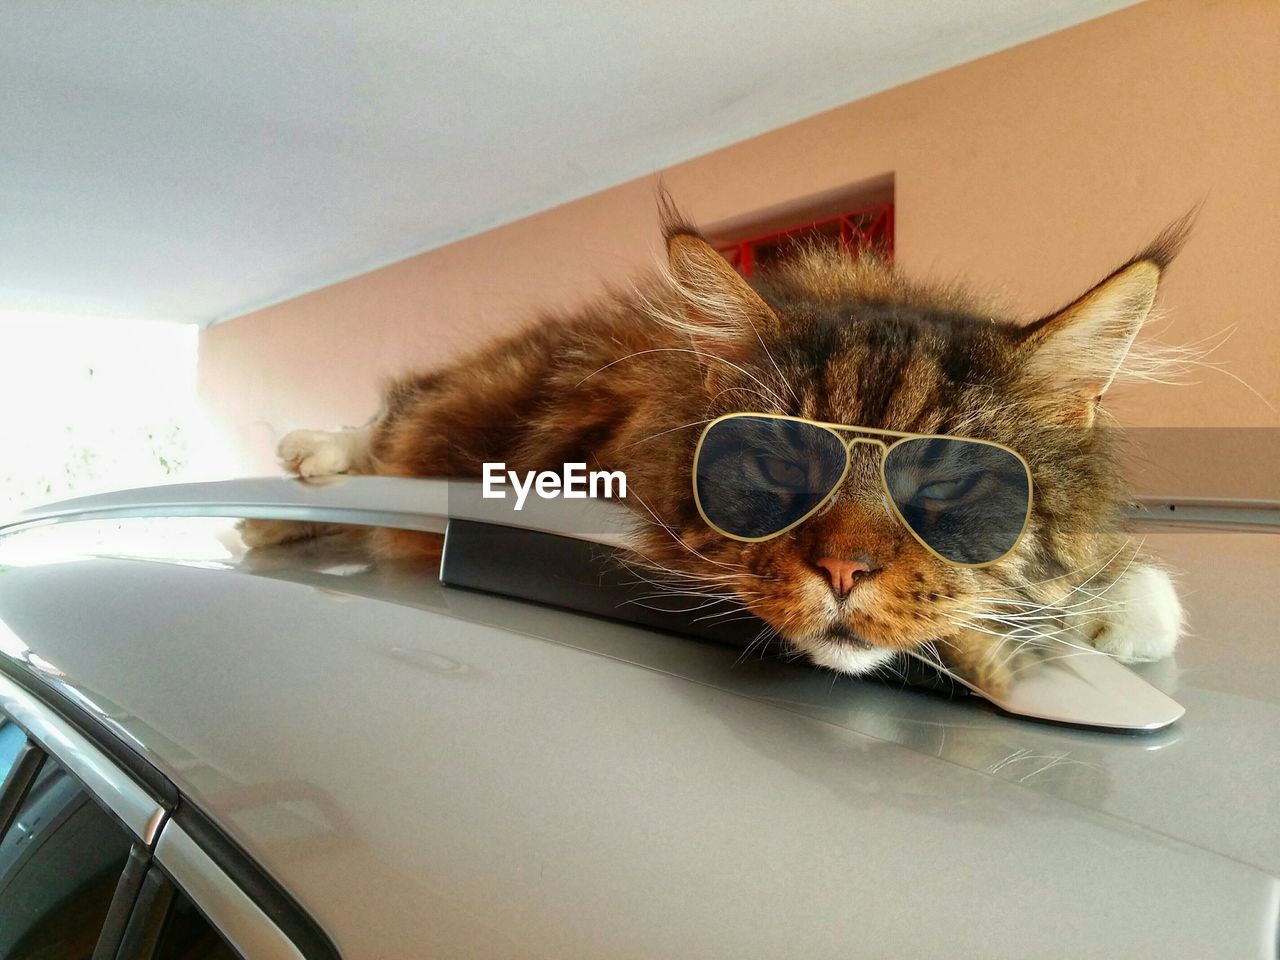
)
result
[(849, 443), (870, 441)]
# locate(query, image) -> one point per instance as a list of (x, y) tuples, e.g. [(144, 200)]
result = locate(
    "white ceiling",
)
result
[(191, 161)]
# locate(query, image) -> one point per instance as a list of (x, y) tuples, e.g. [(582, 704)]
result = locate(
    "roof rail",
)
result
[(427, 504), (401, 502)]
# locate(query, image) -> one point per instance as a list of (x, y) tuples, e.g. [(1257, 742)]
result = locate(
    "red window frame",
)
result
[(869, 228)]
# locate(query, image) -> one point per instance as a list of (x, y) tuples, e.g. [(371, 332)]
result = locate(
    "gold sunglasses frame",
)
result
[(836, 429)]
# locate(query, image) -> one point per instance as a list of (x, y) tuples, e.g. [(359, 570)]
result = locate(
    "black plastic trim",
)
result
[(590, 578), (146, 923), (122, 901), (276, 902), (177, 891), (21, 776), (155, 783)]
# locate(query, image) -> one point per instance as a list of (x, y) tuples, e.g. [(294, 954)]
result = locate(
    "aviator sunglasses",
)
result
[(758, 475)]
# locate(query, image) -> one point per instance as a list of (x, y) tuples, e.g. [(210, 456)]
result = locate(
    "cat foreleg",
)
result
[(310, 453), (260, 534)]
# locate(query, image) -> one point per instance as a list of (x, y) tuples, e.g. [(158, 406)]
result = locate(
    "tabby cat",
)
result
[(630, 382)]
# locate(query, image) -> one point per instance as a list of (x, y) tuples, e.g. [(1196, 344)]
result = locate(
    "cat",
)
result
[(629, 382)]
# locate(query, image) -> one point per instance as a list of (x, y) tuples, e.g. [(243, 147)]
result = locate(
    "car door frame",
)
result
[(176, 846)]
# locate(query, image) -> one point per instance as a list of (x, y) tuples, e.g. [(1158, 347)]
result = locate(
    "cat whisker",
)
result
[(1090, 604), (649, 606), (760, 640), (676, 537), (1037, 636), (1032, 607), (683, 586), (740, 597), (714, 618), (977, 628), (1044, 642), (886, 670), (1024, 630), (683, 595), (688, 583), (1019, 640), (1079, 588), (1044, 625), (694, 608), (659, 569), (663, 433), (1167, 364), (1045, 618), (686, 577), (1038, 615), (785, 382), (1101, 564)]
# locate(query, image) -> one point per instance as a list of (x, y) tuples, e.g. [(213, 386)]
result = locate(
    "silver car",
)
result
[(209, 752)]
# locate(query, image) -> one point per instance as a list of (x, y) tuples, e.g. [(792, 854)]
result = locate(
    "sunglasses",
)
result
[(757, 475)]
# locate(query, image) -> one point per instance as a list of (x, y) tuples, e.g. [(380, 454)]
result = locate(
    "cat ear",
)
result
[(1080, 348), (723, 316), (1075, 354)]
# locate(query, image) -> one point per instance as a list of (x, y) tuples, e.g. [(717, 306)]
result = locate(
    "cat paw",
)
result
[(259, 534), (315, 453), (1148, 618)]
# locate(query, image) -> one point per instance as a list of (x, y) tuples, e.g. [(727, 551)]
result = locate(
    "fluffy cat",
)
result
[(628, 383)]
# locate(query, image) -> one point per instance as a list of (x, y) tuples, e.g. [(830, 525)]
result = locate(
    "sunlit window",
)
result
[(93, 403)]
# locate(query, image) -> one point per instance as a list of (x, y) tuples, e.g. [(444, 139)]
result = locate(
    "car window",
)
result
[(59, 863), (12, 738), (188, 936)]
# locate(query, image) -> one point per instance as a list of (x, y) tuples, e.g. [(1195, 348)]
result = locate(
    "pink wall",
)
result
[(1030, 173)]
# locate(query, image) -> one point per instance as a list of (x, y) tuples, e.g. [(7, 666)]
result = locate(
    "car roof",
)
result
[(432, 769)]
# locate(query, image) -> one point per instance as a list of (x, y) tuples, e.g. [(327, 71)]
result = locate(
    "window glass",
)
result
[(188, 936), (12, 738), (59, 864)]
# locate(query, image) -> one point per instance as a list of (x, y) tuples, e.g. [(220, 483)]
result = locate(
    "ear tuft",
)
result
[(674, 223), (1170, 242)]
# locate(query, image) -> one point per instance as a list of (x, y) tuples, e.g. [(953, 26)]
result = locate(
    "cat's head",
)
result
[(833, 339)]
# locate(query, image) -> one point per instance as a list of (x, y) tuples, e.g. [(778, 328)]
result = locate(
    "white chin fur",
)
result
[(845, 658), (1148, 620)]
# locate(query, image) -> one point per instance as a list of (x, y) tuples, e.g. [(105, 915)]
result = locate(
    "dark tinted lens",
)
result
[(966, 500), (756, 476)]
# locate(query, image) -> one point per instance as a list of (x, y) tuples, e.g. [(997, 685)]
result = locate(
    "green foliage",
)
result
[(80, 464), (93, 405)]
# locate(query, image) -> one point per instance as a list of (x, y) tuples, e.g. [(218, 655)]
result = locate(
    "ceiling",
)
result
[(191, 161)]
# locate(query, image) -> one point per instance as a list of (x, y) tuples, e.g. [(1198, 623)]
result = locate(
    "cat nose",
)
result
[(843, 574)]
